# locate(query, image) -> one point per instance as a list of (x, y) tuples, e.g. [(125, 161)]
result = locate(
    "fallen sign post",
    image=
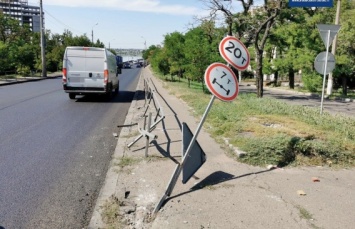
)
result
[(179, 167), (223, 84), (226, 90)]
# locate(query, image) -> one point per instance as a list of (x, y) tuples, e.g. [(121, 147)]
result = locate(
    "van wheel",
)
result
[(109, 93), (71, 96)]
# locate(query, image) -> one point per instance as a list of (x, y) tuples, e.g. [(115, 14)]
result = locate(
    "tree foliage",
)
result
[(20, 49), (282, 41)]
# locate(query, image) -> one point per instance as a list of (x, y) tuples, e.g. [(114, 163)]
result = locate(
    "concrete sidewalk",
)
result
[(223, 193)]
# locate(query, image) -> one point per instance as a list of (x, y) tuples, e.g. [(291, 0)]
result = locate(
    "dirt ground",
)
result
[(223, 193)]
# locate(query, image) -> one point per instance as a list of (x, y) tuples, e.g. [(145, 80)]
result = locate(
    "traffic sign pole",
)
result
[(223, 84), (325, 72), (179, 167), (327, 33)]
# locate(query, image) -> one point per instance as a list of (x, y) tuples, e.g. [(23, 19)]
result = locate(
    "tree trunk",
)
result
[(276, 77), (235, 71), (203, 86), (344, 85), (291, 77), (259, 74)]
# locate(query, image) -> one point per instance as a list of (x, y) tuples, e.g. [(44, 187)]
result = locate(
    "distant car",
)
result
[(138, 65), (126, 65)]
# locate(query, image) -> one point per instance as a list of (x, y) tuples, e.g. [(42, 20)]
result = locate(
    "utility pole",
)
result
[(145, 43), (334, 46), (43, 48), (92, 33)]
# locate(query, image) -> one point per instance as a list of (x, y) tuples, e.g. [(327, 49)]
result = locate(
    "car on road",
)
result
[(126, 65)]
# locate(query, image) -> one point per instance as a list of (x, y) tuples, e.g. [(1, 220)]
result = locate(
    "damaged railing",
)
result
[(150, 96)]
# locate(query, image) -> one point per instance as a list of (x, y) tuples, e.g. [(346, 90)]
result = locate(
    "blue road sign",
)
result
[(310, 3)]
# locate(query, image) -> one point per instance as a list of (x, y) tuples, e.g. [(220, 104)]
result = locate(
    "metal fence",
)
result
[(150, 123)]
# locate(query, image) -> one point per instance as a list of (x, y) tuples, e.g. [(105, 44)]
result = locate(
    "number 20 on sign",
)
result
[(234, 52)]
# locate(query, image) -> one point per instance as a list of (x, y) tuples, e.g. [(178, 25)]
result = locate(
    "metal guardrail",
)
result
[(150, 96)]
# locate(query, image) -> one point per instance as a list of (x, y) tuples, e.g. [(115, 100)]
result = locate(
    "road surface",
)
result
[(55, 151)]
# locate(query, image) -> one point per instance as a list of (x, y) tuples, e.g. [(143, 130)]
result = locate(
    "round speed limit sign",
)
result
[(234, 52)]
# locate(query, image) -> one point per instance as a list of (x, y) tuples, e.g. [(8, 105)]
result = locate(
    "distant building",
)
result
[(21, 11)]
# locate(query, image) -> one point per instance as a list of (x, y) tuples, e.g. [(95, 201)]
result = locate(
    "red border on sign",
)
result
[(210, 87), (221, 51)]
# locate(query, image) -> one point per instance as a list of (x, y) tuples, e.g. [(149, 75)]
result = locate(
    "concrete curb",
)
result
[(110, 185), (25, 80)]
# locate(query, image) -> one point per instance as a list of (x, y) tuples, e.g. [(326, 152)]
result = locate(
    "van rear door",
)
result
[(85, 67)]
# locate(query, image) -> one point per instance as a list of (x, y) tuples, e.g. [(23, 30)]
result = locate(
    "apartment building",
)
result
[(21, 11)]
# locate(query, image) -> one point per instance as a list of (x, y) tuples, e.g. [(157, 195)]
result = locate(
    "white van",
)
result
[(89, 70)]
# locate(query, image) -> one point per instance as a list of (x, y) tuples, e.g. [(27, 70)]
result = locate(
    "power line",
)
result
[(65, 25)]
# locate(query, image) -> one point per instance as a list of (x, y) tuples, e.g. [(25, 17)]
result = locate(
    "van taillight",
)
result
[(106, 76), (64, 75)]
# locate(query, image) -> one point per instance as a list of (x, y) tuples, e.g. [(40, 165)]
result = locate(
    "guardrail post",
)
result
[(147, 137)]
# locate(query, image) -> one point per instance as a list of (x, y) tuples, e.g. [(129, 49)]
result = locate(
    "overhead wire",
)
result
[(65, 25)]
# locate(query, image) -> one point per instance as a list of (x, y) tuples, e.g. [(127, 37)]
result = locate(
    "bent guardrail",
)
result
[(150, 96)]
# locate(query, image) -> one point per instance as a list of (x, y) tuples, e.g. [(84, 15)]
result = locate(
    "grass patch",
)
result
[(271, 131), (110, 213), (127, 161), (304, 213)]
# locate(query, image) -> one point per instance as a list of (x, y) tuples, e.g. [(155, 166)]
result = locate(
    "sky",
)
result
[(124, 23)]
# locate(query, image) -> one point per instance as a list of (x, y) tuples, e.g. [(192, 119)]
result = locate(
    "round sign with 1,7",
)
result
[(221, 81), (234, 52)]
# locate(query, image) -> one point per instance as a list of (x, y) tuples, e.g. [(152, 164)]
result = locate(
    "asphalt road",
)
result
[(55, 152)]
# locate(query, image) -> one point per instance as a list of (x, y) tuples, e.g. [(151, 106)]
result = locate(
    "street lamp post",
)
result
[(109, 43), (92, 33), (145, 48), (145, 43)]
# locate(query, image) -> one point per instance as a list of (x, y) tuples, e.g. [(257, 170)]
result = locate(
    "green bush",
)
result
[(274, 150), (312, 81), (24, 71)]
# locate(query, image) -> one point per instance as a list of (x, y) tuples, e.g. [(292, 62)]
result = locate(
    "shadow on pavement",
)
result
[(214, 179), (122, 97)]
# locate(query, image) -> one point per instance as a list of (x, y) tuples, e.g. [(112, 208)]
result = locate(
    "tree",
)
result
[(160, 61), (4, 60), (344, 73), (174, 44), (287, 42), (253, 24), (199, 51), (15, 47), (263, 21)]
